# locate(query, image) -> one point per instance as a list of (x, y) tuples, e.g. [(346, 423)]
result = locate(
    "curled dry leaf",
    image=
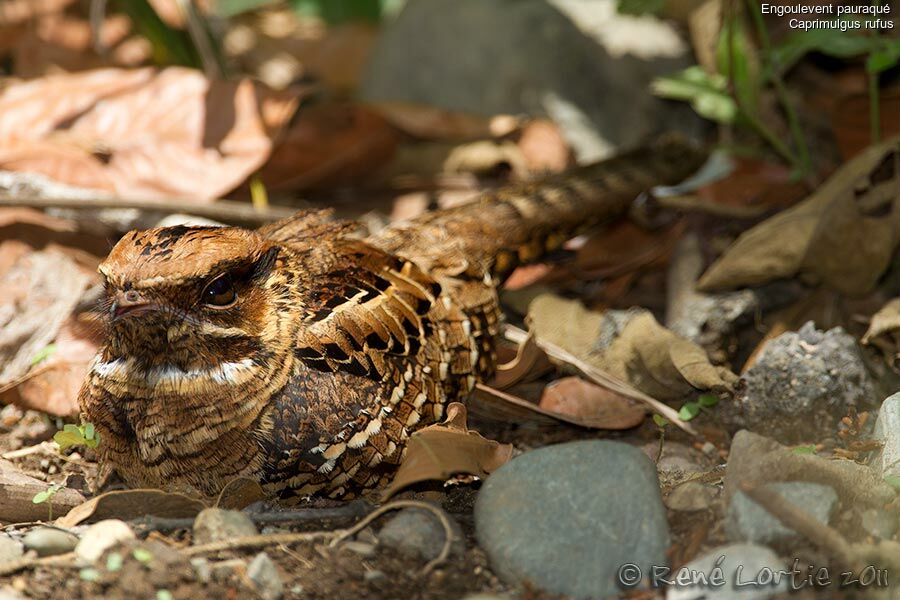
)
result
[(884, 333), (132, 504), (17, 490), (528, 362), (631, 347), (141, 133), (438, 452), (591, 405), (841, 235)]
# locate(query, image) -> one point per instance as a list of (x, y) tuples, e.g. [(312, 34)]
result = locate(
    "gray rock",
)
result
[(417, 532), (676, 459), (543, 61), (746, 521), (691, 495), (749, 558), (755, 460), (886, 461), (10, 549), (49, 541), (565, 518), (217, 525), (265, 576), (100, 537), (879, 523), (801, 384)]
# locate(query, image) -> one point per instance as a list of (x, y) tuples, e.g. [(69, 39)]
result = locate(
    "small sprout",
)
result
[(113, 562), (43, 354), (163, 595), (807, 449), (141, 555), (708, 400), (689, 411), (47, 495), (89, 574), (660, 420), (77, 435)]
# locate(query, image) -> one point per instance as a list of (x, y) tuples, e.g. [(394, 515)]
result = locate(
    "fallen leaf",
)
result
[(630, 346), (141, 133), (591, 405), (836, 236), (440, 451), (17, 491), (132, 504), (529, 362), (884, 333)]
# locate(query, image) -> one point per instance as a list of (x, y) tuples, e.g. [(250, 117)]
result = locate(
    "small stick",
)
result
[(348, 511)]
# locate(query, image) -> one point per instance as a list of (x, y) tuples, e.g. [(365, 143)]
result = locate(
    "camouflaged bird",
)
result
[(303, 357)]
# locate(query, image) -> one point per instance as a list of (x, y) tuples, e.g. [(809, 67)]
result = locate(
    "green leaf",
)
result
[(88, 431), (737, 62), (163, 595), (89, 574), (706, 93), (340, 11), (141, 555), (43, 354), (708, 400), (808, 449), (689, 411), (660, 420), (829, 41), (77, 435), (884, 58), (42, 497), (113, 562)]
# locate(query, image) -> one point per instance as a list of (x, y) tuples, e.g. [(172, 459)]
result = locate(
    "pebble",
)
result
[(364, 549), (886, 461), (100, 537), (750, 557), (10, 549), (691, 495), (265, 576), (49, 541), (564, 518), (218, 525), (374, 575), (746, 521), (201, 569), (418, 533)]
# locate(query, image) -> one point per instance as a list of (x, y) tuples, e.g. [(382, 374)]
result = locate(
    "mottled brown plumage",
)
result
[(303, 357)]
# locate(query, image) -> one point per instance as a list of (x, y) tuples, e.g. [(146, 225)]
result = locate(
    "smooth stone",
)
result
[(886, 461), (364, 549), (10, 549), (100, 537), (265, 576), (691, 495), (418, 533), (219, 525), (750, 558), (564, 518), (49, 541), (746, 521)]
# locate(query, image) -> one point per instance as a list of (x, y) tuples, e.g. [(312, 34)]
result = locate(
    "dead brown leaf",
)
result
[(17, 490), (438, 452), (132, 504), (529, 362), (591, 405), (884, 333), (141, 133), (840, 235)]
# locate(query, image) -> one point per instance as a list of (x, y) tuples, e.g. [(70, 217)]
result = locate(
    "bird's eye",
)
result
[(219, 292)]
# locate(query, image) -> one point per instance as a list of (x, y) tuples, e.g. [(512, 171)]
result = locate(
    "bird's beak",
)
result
[(130, 303)]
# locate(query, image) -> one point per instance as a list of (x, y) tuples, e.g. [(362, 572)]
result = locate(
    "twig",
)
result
[(211, 64), (347, 511), (60, 560), (227, 211), (800, 521), (258, 541), (516, 335)]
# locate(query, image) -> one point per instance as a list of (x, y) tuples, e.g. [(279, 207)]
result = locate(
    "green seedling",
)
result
[(47, 496), (77, 435)]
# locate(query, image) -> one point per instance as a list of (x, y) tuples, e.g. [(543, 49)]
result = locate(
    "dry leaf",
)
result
[(591, 405), (438, 452), (16, 491), (631, 347), (835, 236), (529, 362), (141, 133), (132, 504), (884, 333)]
